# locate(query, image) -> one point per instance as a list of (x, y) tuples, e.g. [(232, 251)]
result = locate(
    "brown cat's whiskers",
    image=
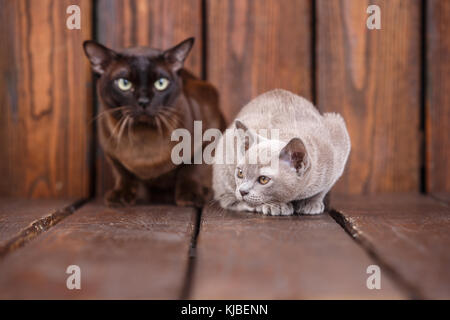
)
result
[(170, 118), (130, 131), (158, 124), (116, 127), (165, 121), (174, 114), (122, 128), (106, 112), (161, 122)]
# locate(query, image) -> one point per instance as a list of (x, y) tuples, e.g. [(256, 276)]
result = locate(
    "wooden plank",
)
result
[(255, 46), (409, 233), (372, 77), (133, 253), (154, 23), (248, 256), (45, 100), (18, 214), (438, 99)]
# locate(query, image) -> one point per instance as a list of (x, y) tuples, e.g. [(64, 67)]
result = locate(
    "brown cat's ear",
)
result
[(176, 55), (99, 55), (296, 155)]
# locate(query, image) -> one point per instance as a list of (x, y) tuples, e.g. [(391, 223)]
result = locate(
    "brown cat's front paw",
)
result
[(120, 198)]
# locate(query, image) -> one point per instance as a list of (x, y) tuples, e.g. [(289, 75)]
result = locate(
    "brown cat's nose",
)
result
[(243, 192), (143, 102)]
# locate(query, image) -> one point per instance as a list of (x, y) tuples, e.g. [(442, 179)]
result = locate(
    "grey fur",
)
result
[(298, 188)]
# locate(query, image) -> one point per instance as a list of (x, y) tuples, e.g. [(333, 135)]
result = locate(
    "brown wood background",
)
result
[(437, 115), (45, 100), (372, 77), (391, 85)]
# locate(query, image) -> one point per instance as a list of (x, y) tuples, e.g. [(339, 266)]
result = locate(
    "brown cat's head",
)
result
[(138, 81)]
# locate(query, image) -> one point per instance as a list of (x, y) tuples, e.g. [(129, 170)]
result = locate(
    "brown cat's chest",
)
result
[(147, 162), (144, 153)]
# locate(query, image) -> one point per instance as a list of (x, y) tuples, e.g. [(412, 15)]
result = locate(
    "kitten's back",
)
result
[(281, 109), (338, 134)]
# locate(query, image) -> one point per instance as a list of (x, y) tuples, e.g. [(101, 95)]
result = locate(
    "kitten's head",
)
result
[(278, 175), (138, 81)]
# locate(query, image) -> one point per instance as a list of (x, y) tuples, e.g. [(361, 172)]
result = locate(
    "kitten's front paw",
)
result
[(276, 209), (309, 207), (120, 197)]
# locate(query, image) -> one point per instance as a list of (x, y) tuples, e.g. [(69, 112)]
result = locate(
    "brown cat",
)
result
[(144, 95)]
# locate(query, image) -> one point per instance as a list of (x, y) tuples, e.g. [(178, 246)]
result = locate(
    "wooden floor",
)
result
[(167, 252)]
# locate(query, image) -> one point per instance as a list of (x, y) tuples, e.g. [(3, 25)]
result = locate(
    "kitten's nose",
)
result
[(143, 102), (243, 192)]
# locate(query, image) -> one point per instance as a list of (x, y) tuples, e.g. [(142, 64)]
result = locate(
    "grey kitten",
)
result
[(310, 155)]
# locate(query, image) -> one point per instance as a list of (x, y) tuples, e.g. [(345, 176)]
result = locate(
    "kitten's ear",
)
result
[(99, 55), (296, 155), (246, 136), (176, 55)]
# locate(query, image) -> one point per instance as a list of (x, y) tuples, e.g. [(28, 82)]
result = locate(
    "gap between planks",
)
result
[(412, 292), (352, 231), (38, 227), (406, 233), (43, 224), (191, 265), (442, 198)]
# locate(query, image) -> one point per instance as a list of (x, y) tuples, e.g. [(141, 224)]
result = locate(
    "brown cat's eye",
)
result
[(124, 84), (161, 84), (240, 174), (263, 179)]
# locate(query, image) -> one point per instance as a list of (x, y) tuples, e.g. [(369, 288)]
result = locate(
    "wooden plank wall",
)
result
[(319, 49), (154, 23), (255, 46), (45, 100), (372, 77), (438, 99)]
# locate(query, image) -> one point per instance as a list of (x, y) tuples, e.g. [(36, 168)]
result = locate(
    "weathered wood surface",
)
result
[(45, 100), (18, 214), (132, 253), (438, 99), (248, 256), (154, 23), (372, 78), (409, 233), (255, 46)]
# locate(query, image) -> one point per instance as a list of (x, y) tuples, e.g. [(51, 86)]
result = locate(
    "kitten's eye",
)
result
[(161, 84), (240, 174), (263, 179), (124, 84)]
